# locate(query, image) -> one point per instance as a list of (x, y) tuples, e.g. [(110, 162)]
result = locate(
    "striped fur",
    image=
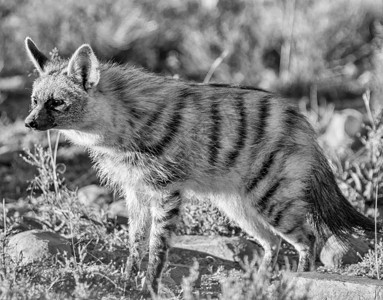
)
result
[(160, 141)]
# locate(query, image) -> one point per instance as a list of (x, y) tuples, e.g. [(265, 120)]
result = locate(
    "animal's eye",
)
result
[(56, 102)]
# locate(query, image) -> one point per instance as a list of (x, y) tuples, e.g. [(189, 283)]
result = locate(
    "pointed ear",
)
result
[(36, 56), (84, 66)]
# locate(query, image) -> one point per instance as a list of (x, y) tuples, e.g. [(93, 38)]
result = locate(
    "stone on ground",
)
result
[(118, 212), (36, 245), (318, 286), (334, 253), (228, 248)]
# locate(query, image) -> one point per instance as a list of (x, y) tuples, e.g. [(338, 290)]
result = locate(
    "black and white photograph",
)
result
[(191, 149)]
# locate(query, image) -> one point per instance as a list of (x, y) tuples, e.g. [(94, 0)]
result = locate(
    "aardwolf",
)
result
[(159, 141)]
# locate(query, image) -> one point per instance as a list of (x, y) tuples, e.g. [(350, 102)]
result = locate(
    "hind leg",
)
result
[(301, 236), (269, 242), (251, 222), (305, 245)]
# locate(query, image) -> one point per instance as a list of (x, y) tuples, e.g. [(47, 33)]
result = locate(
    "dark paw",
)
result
[(149, 289), (132, 268)]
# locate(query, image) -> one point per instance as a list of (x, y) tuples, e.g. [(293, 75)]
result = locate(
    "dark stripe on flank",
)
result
[(242, 132), (263, 172), (264, 113), (186, 92), (291, 118), (292, 229), (147, 129), (270, 211), (276, 220), (262, 203), (171, 129), (135, 113), (215, 143), (152, 120)]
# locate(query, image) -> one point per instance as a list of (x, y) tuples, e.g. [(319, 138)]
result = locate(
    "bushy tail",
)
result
[(330, 209)]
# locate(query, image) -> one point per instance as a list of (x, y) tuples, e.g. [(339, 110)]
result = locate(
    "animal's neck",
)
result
[(82, 138)]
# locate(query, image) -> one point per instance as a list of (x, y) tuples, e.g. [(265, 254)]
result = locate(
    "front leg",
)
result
[(138, 228), (164, 216)]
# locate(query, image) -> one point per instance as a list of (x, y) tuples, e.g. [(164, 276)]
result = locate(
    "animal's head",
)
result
[(61, 94)]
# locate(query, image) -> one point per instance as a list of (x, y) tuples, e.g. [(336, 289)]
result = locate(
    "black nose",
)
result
[(31, 124)]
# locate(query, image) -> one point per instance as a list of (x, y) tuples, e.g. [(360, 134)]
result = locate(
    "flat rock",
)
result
[(36, 245), (211, 253), (334, 253), (341, 129), (319, 286), (118, 212), (227, 248)]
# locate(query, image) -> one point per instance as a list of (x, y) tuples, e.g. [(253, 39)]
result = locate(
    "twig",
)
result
[(288, 36), (376, 233), (53, 160), (366, 100), (5, 233), (110, 280), (56, 147), (215, 65)]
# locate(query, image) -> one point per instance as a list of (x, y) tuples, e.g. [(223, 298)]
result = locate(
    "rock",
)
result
[(94, 195), (228, 248), (341, 129), (317, 286), (118, 212), (333, 253), (36, 245), (211, 253)]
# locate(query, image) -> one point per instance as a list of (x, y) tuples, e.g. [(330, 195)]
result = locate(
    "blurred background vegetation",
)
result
[(292, 46), (321, 54)]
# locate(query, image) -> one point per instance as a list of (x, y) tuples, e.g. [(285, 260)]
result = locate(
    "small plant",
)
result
[(360, 181), (371, 265), (361, 178)]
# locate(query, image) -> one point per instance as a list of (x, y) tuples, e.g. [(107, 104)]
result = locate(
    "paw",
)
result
[(145, 289), (148, 290), (132, 268)]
